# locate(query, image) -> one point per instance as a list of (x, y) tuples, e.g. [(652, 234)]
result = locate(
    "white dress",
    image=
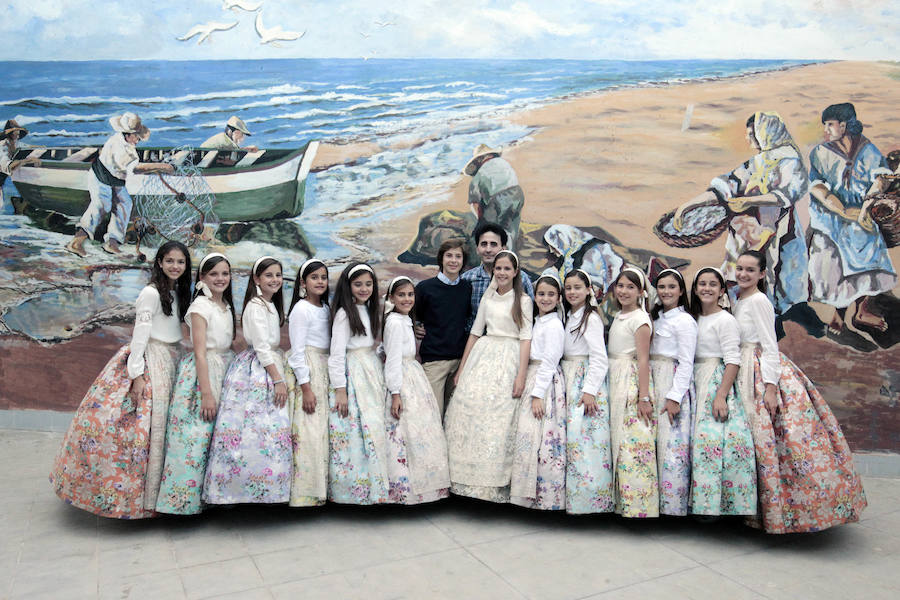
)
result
[(416, 448), (481, 419), (310, 331)]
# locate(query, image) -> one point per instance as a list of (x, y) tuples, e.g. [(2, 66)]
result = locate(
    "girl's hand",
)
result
[(208, 408), (590, 404), (139, 389), (645, 411), (341, 405), (396, 406), (309, 402), (720, 409), (519, 385), (771, 400), (456, 377), (280, 394), (672, 409), (537, 407)]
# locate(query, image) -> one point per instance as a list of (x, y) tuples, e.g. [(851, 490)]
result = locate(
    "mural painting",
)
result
[(251, 139)]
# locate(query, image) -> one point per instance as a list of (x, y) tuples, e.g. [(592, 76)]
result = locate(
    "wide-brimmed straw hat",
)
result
[(129, 123), (482, 150), (238, 124), (11, 126)]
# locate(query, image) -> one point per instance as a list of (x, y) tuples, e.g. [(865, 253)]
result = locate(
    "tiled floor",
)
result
[(455, 549)]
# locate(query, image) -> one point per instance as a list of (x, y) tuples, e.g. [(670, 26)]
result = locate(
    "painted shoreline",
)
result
[(615, 159)]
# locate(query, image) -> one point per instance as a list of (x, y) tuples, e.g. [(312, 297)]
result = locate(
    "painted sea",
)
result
[(428, 114)]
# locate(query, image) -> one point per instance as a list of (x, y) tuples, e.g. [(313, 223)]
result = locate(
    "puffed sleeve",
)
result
[(298, 326), (393, 350), (554, 343), (729, 334), (146, 305), (686, 337), (200, 306), (763, 314), (255, 324), (598, 362), (527, 312), (337, 358), (479, 324)]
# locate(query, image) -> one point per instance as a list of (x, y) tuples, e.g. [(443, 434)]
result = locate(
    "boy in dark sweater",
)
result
[(443, 304)]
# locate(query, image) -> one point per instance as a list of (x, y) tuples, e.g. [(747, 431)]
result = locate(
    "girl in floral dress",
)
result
[(111, 458), (723, 469), (539, 464), (632, 419), (589, 483), (417, 451), (481, 418), (807, 481), (357, 468), (310, 331), (198, 387), (250, 457), (672, 370)]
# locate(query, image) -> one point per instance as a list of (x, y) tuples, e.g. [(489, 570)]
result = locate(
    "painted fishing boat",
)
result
[(248, 186)]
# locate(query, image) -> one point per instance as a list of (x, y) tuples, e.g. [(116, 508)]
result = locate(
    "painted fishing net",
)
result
[(176, 207)]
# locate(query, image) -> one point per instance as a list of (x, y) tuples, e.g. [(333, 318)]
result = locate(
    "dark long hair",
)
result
[(696, 309), (391, 288), (343, 298), (517, 315), (163, 284), (682, 299), (579, 329), (206, 267), (761, 260), (277, 297), (536, 311), (300, 281)]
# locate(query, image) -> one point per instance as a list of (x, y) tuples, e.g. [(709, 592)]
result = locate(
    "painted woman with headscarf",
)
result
[(762, 193), (848, 259)]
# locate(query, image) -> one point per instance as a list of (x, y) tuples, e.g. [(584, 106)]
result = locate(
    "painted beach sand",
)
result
[(602, 146)]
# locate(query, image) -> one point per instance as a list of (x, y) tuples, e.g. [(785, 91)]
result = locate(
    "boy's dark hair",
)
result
[(488, 227), (450, 245)]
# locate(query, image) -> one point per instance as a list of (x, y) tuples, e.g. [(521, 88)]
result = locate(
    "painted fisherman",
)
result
[(9, 139), (494, 192), (235, 132)]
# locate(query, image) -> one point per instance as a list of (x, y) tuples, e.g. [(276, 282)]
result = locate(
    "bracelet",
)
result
[(645, 399), (277, 382)]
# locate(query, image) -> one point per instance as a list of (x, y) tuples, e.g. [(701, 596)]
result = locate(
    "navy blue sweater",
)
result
[(443, 310)]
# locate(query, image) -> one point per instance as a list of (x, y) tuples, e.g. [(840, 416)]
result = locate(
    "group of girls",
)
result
[(687, 409)]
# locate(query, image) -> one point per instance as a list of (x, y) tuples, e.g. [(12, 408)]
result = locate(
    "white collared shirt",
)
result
[(718, 336), (589, 344), (308, 325), (444, 279), (342, 340), (262, 330), (399, 343), (675, 336), (548, 341)]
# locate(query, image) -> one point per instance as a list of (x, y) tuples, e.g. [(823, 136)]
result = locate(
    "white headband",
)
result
[(209, 256), (358, 268), (306, 264), (724, 299), (259, 260), (395, 280), (551, 276), (592, 299), (511, 253), (673, 271)]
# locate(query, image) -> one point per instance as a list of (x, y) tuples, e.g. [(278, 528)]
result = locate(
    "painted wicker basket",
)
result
[(885, 211), (701, 225)]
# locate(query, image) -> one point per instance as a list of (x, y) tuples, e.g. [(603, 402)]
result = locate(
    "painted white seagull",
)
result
[(236, 5), (275, 34), (205, 30)]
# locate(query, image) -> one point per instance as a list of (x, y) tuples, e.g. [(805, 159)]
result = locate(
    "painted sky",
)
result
[(584, 29)]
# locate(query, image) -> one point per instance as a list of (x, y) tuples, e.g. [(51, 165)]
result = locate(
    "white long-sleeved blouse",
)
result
[(342, 340), (399, 343), (548, 342), (151, 323), (719, 336), (756, 318), (219, 328), (675, 336), (589, 344), (262, 331), (495, 316), (308, 326)]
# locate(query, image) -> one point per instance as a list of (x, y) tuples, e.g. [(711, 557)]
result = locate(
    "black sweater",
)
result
[(443, 310)]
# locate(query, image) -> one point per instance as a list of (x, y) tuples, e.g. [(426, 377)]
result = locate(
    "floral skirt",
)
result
[(723, 467), (188, 436), (673, 441), (806, 477), (250, 457), (539, 459), (481, 421), (589, 481), (416, 448), (101, 466), (357, 470), (633, 443), (309, 434)]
